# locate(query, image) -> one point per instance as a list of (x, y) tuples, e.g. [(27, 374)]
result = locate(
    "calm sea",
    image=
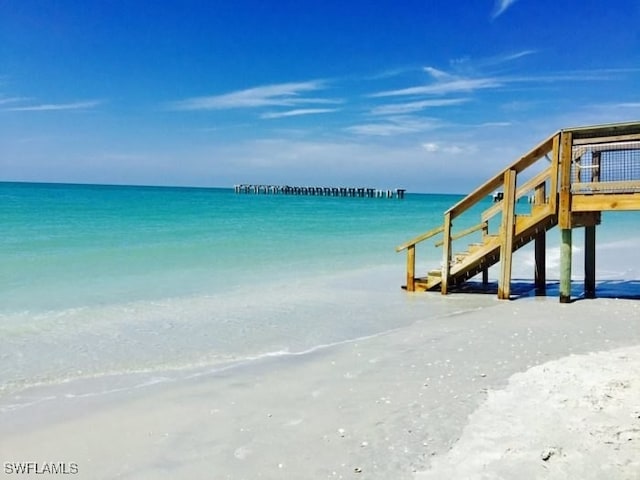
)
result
[(111, 280)]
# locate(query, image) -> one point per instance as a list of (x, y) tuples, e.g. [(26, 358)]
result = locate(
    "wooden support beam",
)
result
[(485, 270), (611, 139), (541, 263), (555, 172), (565, 265), (606, 201), (411, 268), (507, 234), (564, 213), (540, 247), (590, 262), (446, 254)]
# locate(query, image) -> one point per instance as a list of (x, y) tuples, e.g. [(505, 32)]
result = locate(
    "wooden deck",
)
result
[(571, 177)]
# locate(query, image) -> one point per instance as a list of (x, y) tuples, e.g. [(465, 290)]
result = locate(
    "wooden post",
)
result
[(595, 166), (446, 254), (564, 213), (564, 216), (565, 266), (485, 270), (590, 261), (555, 169), (507, 233), (541, 263), (540, 248), (411, 268)]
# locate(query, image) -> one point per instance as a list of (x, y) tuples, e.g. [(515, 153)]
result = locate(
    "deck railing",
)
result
[(570, 177), (535, 188)]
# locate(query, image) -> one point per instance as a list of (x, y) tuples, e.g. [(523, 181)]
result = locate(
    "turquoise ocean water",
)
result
[(108, 280)]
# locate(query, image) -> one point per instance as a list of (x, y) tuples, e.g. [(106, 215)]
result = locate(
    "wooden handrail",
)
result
[(487, 188), (554, 188), (420, 238), (464, 233), (534, 182)]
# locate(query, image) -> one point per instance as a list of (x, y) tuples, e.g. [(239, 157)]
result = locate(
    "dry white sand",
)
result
[(464, 396), (577, 417)]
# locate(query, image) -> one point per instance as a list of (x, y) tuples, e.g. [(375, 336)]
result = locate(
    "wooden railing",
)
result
[(559, 194), (505, 180)]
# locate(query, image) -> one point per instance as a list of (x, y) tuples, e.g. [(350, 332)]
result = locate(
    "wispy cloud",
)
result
[(468, 63), (493, 124), (49, 107), (298, 112), (445, 83), (395, 126), (283, 95), (453, 149), (411, 107), (8, 100), (501, 6), (466, 85)]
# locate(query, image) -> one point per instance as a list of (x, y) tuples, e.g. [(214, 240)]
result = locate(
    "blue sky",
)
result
[(432, 96)]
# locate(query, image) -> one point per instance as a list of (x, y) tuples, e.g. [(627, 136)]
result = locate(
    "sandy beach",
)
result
[(511, 390)]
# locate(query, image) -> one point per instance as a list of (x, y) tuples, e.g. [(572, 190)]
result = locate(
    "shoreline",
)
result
[(381, 407)]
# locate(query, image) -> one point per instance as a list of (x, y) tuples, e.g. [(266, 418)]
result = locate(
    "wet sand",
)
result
[(407, 404)]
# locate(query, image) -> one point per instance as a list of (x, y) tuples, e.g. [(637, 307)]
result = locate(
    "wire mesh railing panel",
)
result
[(606, 168)]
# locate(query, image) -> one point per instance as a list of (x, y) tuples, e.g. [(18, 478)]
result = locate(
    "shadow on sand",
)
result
[(523, 288)]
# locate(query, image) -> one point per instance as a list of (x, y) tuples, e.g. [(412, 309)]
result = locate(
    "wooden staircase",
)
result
[(480, 256), (557, 194)]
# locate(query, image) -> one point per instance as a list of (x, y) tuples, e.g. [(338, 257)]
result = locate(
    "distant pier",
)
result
[(362, 192)]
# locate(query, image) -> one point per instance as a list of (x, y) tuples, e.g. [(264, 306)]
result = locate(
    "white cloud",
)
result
[(466, 85), (46, 107), (298, 112), (438, 74), (283, 95), (494, 124), (469, 64), (395, 126), (501, 6), (431, 147), (6, 100), (448, 148), (403, 108)]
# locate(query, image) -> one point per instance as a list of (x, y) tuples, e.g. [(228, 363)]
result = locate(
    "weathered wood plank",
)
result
[(507, 234), (564, 213), (606, 201), (420, 238), (611, 129), (610, 139), (620, 186), (411, 268), (555, 173), (446, 254)]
